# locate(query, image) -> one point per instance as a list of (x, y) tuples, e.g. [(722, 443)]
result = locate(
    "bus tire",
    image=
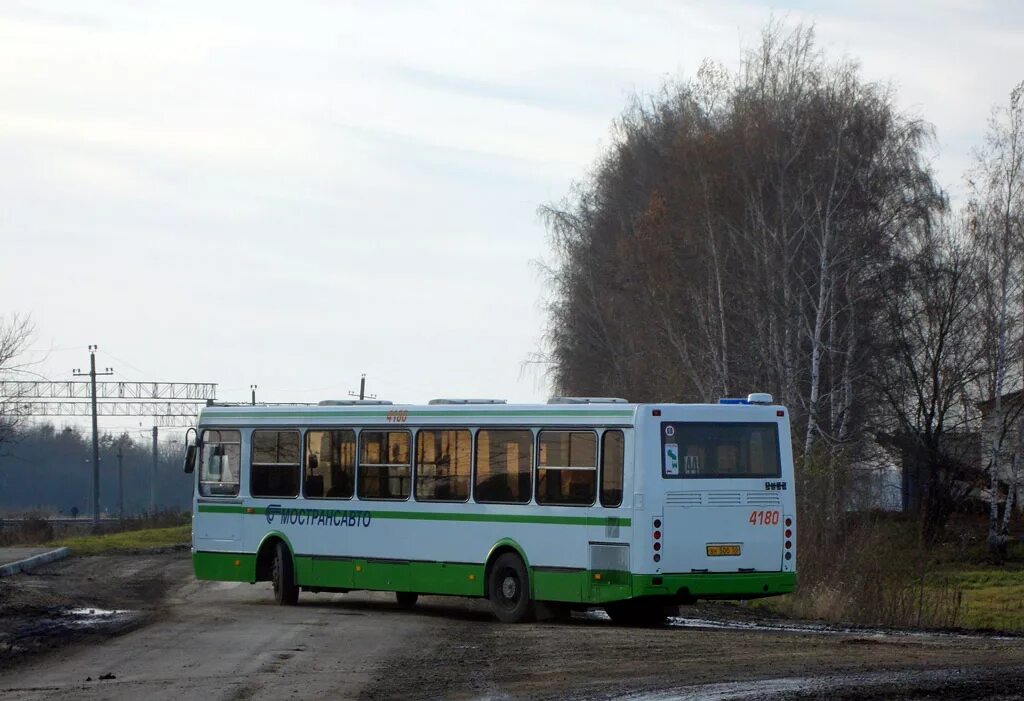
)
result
[(406, 599), (282, 576), (508, 588)]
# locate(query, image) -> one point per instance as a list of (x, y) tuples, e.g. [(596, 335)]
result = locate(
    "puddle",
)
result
[(948, 683), (94, 618), (816, 628), (826, 629)]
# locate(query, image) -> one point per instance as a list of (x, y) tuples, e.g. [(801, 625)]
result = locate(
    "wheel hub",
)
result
[(509, 586)]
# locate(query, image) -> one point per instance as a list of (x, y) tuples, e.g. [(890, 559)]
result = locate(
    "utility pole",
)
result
[(120, 480), (362, 390), (253, 388), (95, 432), (152, 481), (169, 403)]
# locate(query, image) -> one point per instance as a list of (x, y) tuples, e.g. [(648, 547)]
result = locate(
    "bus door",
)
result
[(610, 529), (723, 505), (217, 519)]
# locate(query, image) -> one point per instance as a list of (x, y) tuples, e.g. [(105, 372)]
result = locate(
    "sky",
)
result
[(292, 194)]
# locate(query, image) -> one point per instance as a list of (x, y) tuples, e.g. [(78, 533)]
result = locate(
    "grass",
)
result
[(993, 596), (128, 540)]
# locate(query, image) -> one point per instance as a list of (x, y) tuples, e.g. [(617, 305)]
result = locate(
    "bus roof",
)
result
[(607, 413)]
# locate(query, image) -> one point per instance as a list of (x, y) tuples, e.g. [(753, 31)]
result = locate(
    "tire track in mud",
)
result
[(951, 684)]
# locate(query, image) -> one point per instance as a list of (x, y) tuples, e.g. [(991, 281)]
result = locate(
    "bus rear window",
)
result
[(719, 450)]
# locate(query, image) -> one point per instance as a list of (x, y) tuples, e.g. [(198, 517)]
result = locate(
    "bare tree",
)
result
[(731, 240), (998, 209), (931, 359), (15, 334)]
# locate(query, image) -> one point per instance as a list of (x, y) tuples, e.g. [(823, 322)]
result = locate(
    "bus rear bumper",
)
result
[(714, 585)]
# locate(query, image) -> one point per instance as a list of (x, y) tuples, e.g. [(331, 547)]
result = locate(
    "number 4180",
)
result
[(764, 518)]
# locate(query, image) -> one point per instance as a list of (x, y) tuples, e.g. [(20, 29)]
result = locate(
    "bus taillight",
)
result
[(788, 550), (657, 539)]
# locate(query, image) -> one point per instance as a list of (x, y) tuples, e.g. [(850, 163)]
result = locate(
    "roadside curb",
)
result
[(31, 562)]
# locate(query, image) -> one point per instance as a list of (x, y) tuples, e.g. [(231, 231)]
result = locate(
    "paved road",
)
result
[(223, 641), (8, 555), (211, 640)]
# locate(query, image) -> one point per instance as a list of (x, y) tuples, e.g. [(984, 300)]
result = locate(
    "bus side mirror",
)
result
[(190, 459)]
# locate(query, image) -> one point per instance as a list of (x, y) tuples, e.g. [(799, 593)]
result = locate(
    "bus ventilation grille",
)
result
[(762, 499), (725, 499), (683, 498)]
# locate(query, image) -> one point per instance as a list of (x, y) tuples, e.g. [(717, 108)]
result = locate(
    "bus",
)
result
[(581, 502)]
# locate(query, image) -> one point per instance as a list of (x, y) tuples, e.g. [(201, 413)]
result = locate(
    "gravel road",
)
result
[(155, 633)]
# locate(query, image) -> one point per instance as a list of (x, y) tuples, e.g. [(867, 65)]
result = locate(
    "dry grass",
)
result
[(34, 528), (872, 572), (127, 541)]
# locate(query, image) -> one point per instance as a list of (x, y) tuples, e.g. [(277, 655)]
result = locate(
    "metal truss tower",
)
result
[(169, 403)]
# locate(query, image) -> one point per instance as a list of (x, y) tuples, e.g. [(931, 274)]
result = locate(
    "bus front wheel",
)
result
[(282, 576), (509, 589)]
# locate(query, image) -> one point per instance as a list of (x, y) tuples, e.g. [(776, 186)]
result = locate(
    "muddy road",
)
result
[(141, 627)]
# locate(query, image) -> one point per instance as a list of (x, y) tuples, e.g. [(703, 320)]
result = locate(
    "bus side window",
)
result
[(330, 464), (443, 464), (275, 464), (567, 468), (613, 455), (384, 465), (504, 463)]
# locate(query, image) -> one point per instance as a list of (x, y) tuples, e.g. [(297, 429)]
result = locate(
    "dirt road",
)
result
[(178, 639)]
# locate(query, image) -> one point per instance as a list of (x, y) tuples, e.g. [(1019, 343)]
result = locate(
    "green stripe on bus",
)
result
[(467, 579), (431, 516)]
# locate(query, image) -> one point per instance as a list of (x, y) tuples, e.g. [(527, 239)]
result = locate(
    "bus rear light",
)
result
[(657, 535), (788, 545), (657, 546), (789, 522), (789, 533), (789, 556), (657, 557), (657, 523)]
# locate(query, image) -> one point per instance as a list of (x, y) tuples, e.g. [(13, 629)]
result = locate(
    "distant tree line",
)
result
[(49, 469), (778, 228)]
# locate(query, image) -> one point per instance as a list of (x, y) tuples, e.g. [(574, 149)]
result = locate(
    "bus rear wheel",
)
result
[(508, 588), (406, 599), (282, 576)]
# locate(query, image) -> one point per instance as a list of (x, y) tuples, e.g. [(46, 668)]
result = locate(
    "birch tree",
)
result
[(998, 228), (732, 239), (15, 333)]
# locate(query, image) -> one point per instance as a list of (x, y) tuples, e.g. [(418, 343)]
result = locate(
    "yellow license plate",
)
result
[(720, 550)]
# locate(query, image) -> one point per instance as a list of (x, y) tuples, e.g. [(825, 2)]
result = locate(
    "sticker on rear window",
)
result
[(671, 459)]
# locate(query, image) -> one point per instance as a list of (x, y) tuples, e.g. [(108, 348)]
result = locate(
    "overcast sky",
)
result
[(291, 194)]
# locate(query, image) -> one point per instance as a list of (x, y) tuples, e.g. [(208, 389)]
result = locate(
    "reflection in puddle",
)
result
[(813, 628), (93, 617), (951, 683)]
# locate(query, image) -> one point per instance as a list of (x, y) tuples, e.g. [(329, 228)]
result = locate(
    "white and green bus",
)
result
[(576, 503)]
